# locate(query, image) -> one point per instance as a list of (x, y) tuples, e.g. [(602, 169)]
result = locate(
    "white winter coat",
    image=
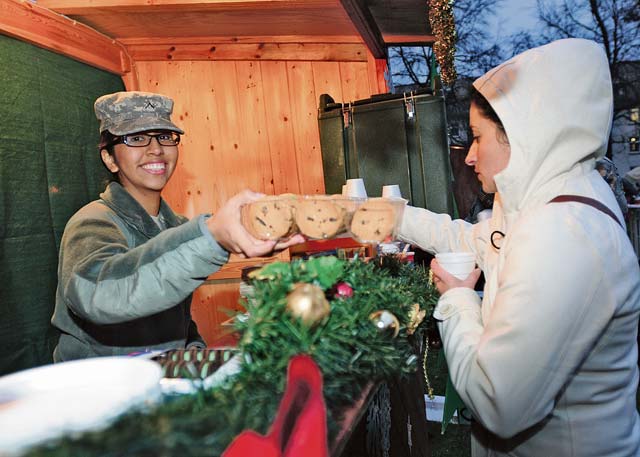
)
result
[(547, 363)]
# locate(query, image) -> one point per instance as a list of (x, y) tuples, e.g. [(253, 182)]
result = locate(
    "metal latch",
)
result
[(346, 115), (409, 105)]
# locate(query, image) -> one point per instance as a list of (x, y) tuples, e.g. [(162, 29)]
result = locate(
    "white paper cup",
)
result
[(391, 191), (355, 188), (344, 190), (459, 264)]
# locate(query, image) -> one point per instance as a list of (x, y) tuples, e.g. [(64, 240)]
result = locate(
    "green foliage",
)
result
[(348, 348)]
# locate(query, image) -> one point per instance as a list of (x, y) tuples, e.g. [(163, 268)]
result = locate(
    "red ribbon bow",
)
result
[(300, 427)]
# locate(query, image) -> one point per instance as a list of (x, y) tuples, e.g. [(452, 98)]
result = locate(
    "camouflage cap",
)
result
[(122, 113)]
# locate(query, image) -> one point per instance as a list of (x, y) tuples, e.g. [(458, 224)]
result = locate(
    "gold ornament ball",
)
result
[(307, 301), (385, 322)]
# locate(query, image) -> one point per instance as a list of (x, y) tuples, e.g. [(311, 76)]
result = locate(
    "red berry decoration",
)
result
[(343, 290)]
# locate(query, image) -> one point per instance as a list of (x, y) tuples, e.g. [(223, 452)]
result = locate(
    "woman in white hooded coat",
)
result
[(547, 361)]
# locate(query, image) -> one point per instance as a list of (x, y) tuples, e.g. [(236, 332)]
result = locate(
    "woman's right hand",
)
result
[(445, 280), (226, 227)]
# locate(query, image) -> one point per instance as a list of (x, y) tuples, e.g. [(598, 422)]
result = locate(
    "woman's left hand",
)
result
[(445, 280)]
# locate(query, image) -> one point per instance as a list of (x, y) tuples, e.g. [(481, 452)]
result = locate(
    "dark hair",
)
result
[(487, 111), (107, 141)]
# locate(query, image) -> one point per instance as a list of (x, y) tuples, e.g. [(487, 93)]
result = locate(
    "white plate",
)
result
[(46, 402)]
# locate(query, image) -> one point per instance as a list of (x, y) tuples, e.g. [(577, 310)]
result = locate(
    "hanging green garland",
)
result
[(444, 28), (345, 341)]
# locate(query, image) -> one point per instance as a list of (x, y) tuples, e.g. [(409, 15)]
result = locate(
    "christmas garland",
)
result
[(358, 320), (444, 28)]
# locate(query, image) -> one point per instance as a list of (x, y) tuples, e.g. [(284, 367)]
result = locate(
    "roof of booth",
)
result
[(377, 22)]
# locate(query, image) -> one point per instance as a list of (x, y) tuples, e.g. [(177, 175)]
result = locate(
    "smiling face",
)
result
[(143, 171), (490, 151)]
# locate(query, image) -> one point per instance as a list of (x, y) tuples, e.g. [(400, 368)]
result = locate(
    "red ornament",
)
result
[(343, 290)]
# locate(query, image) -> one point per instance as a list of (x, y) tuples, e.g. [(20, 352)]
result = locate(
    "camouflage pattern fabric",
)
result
[(123, 113)]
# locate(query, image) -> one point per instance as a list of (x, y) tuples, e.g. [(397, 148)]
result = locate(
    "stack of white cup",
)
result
[(354, 188), (391, 191), (459, 264)]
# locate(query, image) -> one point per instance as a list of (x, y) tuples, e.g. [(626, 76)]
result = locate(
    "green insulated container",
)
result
[(389, 139)]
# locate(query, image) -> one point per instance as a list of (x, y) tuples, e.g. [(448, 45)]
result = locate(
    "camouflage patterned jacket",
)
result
[(125, 285)]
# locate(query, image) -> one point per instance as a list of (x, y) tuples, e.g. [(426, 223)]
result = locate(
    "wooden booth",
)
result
[(246, 77)]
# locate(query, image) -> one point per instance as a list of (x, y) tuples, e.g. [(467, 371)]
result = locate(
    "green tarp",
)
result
[(49, 167)]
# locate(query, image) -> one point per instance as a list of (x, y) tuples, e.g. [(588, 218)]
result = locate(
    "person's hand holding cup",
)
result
[(454, 269)]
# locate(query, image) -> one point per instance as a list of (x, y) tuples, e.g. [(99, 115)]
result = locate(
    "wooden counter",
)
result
[(218, 298)]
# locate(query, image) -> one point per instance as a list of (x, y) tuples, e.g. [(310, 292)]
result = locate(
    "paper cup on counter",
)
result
[(459, 264), (355, 188), (391, 191)]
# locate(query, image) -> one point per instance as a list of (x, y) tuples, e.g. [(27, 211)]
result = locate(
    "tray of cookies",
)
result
[(377, 220), (317, 217), (269, 218), (321, 217)]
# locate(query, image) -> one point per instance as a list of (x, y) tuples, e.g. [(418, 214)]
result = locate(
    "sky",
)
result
[(515, 16)]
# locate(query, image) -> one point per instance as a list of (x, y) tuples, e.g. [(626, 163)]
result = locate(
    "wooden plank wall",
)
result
[(249, 124)]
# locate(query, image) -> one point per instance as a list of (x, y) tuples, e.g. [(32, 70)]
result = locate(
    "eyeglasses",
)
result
[(140, 140)]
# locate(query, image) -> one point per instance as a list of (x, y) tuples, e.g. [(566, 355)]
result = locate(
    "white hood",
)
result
[(552, 134)]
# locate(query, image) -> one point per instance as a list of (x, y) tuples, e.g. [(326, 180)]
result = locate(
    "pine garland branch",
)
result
[(347, 347)]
